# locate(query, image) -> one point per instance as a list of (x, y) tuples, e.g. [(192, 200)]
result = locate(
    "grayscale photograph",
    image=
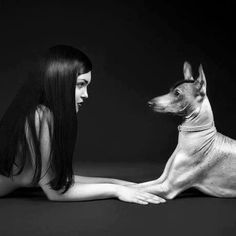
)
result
[(117, 118)]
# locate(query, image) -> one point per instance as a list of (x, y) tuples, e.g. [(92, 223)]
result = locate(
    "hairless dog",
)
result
[(204, 158)]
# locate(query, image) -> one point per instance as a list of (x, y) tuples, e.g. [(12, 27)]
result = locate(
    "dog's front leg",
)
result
[(165, 190), (175, 183), (164, 173), (181, 174)]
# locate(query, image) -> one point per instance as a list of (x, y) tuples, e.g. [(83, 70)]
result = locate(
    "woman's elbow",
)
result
[(53, 195), (52, 198), (56, 197)]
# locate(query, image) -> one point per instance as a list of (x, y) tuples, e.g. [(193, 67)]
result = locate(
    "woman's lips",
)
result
[(79, 105)]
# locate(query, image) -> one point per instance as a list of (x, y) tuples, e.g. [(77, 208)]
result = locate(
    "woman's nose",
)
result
[(85, 93)]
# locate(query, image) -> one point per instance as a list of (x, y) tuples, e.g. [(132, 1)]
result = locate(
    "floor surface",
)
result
[(28, 212)]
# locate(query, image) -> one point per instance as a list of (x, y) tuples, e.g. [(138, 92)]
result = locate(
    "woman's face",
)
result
[(81, 89)]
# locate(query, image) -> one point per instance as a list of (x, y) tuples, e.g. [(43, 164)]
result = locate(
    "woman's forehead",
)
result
[(86, 76)]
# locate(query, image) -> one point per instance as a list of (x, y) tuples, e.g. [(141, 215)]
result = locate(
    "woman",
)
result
[(39, 129)]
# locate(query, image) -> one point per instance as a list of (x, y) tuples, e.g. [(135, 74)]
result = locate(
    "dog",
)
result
[(204, 158)]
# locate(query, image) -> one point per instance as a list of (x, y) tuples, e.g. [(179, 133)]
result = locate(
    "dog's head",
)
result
[(185, 96)]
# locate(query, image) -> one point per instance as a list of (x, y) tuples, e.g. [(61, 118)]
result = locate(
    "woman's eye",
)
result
[(80, 85)]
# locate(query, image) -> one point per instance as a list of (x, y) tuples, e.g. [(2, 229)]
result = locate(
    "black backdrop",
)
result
[(137, 49)]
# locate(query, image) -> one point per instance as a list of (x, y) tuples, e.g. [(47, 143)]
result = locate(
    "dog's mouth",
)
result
[(159, 109), (155, 107)]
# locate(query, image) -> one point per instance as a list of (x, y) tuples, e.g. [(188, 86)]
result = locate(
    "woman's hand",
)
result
[(132, 195)]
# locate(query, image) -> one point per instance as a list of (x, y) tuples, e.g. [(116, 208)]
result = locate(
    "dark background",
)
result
[(137, 49)]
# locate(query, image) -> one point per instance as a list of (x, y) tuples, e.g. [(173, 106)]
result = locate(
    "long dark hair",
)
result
[(51, 84)]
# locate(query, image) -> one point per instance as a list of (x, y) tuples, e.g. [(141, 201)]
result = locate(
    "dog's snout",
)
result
[(150, 103)]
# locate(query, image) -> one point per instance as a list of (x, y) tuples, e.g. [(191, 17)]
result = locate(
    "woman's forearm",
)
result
[(81, 192), (94, 180)]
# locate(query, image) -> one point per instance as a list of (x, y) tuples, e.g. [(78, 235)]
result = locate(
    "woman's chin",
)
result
[(77, 108)]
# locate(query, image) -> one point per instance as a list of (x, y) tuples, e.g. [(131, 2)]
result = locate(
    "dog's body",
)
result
[(203, 158)]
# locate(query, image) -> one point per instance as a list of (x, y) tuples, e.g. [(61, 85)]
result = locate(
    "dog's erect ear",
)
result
[(187, 71), (201, 82)]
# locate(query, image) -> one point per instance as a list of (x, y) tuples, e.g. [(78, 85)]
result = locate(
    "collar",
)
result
[(196, 128)]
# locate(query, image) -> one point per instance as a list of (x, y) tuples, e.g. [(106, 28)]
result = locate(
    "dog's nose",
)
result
[(150, 103)]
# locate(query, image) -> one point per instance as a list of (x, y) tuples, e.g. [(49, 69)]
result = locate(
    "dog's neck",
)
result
[(200, 119)]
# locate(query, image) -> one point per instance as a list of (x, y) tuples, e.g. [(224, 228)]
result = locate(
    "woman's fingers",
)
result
[(154, 201), (157, 198), (151, 198), (139, 201)]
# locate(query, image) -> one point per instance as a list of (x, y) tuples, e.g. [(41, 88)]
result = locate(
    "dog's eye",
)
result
[(176, 92)]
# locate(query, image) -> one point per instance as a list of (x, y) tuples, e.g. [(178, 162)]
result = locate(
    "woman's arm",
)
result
[(81, 192), (95, 180)]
